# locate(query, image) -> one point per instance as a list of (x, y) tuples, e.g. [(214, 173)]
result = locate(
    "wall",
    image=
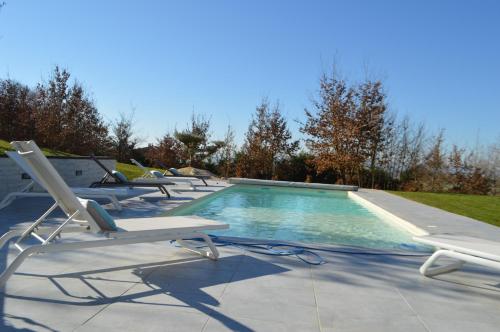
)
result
[(11, 176), (292, 184)]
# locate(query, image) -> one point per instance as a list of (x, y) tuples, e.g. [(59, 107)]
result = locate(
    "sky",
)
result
[(439, 60)]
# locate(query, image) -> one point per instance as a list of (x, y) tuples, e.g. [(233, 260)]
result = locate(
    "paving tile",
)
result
[(272, 310), (160, 287), (56, 313), (392, 324), (190, 270), (141, 317), (148, 294), (363, 281), (245, 324), (348, 303), (213, 288), (286, 281), (423, 215), (264, 292), (434, 303), (460, 325), (259, 271)]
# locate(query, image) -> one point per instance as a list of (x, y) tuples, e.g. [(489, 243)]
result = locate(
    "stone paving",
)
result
[(159, 287)]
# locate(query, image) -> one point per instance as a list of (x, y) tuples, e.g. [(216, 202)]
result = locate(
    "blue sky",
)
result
[(440, 60)]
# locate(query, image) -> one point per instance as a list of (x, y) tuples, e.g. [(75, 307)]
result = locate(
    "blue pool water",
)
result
[(293, 214)]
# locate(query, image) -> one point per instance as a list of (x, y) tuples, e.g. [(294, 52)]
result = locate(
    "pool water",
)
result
[(296, 214)]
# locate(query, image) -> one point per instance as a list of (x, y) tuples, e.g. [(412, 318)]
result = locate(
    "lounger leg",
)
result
[(164, 190), (9, 271), (7, 200), (426, 269), (115, 202), (9, 235), (212, 254), (60, 247)]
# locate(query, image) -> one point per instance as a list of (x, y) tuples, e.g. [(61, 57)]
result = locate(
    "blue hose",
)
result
[(270, 249), (301, 252)]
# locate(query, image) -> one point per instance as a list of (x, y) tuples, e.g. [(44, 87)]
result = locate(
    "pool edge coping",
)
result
[(292, 184), (196, 201), (388, 216)]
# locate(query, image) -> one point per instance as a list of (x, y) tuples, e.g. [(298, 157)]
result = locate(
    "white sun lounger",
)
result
[(158, 176), (463, 249), (175, 173), (81, 219), (108, 194)]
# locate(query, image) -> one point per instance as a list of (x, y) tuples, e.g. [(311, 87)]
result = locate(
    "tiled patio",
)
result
[(158, 287)]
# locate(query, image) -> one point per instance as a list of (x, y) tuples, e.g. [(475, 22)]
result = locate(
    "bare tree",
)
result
[(268, 141), (227, 153), (124, 139), (332, 129), (196, 141), (167, 150), (375, 125), (58, 114), (435, 163)]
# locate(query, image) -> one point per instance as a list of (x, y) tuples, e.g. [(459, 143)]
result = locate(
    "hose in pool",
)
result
[(304, 253)]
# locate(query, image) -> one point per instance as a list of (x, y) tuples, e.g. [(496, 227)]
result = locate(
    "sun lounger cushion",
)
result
[(101, 217), (120, 175), (157, 174)]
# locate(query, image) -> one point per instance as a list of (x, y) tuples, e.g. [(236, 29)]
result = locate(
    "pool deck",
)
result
[(430, 219), (158, 287)]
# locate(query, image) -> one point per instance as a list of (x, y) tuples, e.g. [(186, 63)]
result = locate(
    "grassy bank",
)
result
[(484, 208), (130, 171), (5, 146)]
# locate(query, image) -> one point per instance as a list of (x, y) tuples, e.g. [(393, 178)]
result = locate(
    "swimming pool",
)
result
[(296, 214)]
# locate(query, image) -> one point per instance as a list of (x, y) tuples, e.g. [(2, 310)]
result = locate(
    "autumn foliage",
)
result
[(57, 114), (350, 136), (268, 142)]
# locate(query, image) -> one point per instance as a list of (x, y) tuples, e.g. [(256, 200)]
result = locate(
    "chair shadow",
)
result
[(204, 190), (161, 199), (4, 323), (158, 279)]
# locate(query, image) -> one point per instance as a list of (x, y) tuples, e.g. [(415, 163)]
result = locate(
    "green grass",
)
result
[(5, 146), (480, 207), (132, 171)]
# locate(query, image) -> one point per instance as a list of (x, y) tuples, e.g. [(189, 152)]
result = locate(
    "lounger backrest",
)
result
[(138, 164), (162, 165), (107, 170), (53, 182), (22, 164), (153, 173)]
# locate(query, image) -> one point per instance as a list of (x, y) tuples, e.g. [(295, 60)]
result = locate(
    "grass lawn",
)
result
[(5, 146), (484, 208), (132, 171)]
